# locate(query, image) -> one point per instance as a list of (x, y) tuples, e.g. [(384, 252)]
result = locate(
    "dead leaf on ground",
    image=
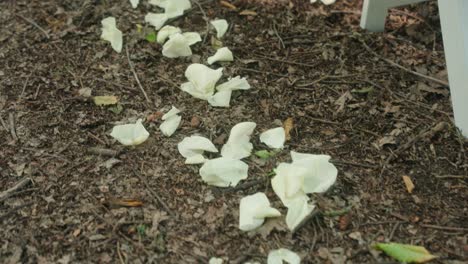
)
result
[(114, 202), (408, 183), (228, 5), (248, 13), (105, 100), (288, 125)]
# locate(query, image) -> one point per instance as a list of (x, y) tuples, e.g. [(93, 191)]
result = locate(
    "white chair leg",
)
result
[(374, 12), (454, 21)]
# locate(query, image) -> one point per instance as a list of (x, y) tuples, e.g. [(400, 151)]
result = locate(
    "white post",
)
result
[(374, 12), (454, 20)]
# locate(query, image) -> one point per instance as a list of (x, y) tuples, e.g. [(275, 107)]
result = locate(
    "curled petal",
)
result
[(166, 32), (156, 20), (111, 33), (130, 134), (253, 210), (193, 147), (224, 172), (238, 145), (282, 254), (222, 54), (221, 26), (236, 83)]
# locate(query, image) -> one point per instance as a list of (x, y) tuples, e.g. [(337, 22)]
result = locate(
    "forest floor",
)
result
[(305, 61)]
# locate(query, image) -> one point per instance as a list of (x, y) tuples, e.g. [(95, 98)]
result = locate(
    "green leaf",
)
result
[(117, 109), (264, 154), (151, 37), (406, 253), (141, 229), (105, 100), (364, 90)]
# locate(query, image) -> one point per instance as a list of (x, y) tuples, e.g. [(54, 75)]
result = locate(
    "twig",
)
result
[(323, 121), (3, 123), (244, 186), (451, 176), (14, 210), (119, 253), (135, 75), (447, 228), (205, 17), (5, 194), (12, 126), (289, 62), (342, 162), (103, 152), (278, 36), (156, 197), (25, 84), (444, 83), (34, 24)]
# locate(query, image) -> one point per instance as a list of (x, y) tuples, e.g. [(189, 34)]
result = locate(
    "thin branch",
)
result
[(35, 25), (5, 194), (205, 17), (136, 76)]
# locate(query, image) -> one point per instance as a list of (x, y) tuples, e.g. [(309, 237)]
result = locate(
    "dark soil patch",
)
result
[(304, 61)]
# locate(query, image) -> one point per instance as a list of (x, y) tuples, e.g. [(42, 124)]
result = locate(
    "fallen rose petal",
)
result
[(202, 81), (274, 138), (220, 99), (170, 125), (253, 210), (221, 26), (166, 32), (193, 147), (282, 254), (298, 210), (130, 134), (134, 3), (321, 173), (236, 83), (222, 54), (238, 145), (111, 33), (224, 172)]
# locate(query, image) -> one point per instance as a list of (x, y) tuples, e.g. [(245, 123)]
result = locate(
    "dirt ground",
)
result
[(309, 62)]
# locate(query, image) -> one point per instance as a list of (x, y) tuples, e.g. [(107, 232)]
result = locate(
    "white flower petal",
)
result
[(222, 54), (214, 260), (193, 147), (111, 33), (274, 138), (288, 182), (176, 46), (156, 20), (224, 172), (221, 26), (134, 3), (202, 80), (172, 8), (238, 145), (282, 254), (220, 99), (321, 173), (174, 111), (166, 32), (192, 37), (160, 3), (236, 83), (170, 125), (130, 134), (298, 210), (253, 210), (328, 2)]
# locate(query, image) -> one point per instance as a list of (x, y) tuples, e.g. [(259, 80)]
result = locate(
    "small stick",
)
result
[(12, 126), (205, 17), (136, 76), (3, 123), (342, 162), (25, 84), (14, 210), (103, 152), (444, 83), (5, 194), (447, 228), (34, 24), (451, 176), (156, 197)]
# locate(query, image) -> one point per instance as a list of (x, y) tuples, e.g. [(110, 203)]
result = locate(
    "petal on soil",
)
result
[(221, 26), (156, 20), (222, 54), (282, 254), (238, 145), (193, 147), (253, 210), (274, 138), (220, 99), (170, 125), (321, 173), (166, 32), (111, 33), (298, 210), (130, 134), (202, 80), (236, 83), (134, 3), (224, 172)]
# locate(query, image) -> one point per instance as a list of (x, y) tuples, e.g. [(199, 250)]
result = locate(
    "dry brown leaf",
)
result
[(228, 5), (288, 125), (408, 183), (248, 13), (112, 202)]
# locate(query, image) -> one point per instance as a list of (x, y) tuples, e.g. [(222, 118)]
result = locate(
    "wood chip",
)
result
[(228, 5), (408, 183), (288, 125)]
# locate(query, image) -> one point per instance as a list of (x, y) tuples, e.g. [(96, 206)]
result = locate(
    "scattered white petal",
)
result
[(160, 3), (222, 54), (178, 44), (156, 20), (202, 81), (173, 8), (170, 125), (221, 26), (111, 33), (238, 145), (288, 182), (274, 138), (253, 210), (166, 32), (321, 173), (282, 254), (298, 210), (224, 172), (192, 37), (328, 2), (130, 134), (193, 147), (134, 3), (236, 83), (214, 260), (174, 111), (220, 99)]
